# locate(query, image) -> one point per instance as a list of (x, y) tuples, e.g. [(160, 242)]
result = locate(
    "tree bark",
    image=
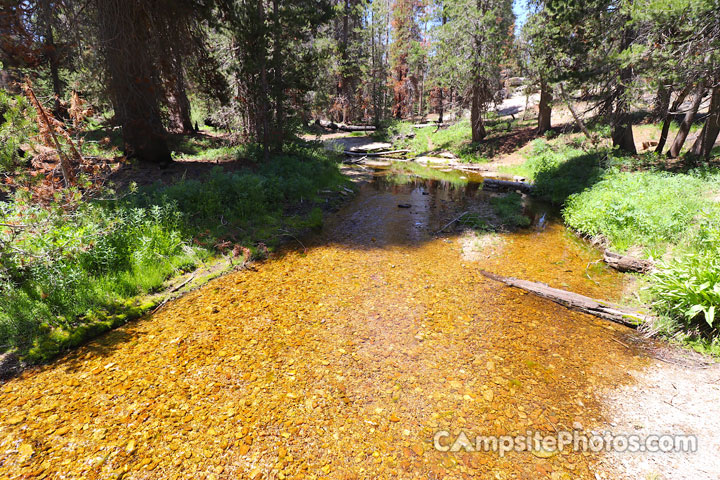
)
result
[(177, 101), (545, 110), (706, 141), (622, 135), (662, 102), (278, 85), (133, 82), (476, 110), (578, 121), (263, 103), (667, 120), (687, 122)]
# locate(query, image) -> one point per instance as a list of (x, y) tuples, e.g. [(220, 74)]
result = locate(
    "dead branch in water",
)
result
[(575, 301)]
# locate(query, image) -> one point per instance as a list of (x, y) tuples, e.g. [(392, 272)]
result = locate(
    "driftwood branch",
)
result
[(575, 301), (452, 221)]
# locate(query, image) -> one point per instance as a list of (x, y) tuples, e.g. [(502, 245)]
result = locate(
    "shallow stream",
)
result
[(343, 360)]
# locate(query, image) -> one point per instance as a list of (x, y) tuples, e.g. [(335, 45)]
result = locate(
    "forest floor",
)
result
[(346, 358)]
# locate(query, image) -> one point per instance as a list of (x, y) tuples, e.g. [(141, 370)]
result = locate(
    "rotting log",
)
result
[(626, 263), (575, 301)]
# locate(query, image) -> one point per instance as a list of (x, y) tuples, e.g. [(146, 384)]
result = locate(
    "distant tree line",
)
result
[(262, 68)]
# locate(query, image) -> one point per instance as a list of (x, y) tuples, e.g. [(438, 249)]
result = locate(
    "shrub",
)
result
[(16, 125)]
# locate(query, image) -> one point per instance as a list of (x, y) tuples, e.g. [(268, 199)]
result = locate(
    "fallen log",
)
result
[(626, 263), (374, 154), (507, 185), (575, 301), (371, 147), (356, 128), (345, 128), (431, 124)]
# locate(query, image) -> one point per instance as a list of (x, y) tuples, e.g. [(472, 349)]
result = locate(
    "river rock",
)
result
[(9, 365)]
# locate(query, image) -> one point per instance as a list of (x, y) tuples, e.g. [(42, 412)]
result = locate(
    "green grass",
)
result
[(673, 218), (454, 138), (652, 210), (74, 272), (560, 172)]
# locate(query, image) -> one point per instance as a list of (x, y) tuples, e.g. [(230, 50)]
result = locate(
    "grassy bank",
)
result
[(633, 206), (454, 138), (72, 269)]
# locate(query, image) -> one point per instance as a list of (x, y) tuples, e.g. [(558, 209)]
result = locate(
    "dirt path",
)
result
[(346, 361)]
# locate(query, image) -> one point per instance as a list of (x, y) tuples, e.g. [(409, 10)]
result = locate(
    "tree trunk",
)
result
[(476, 120), (661, 103), (622, 135), (578, 121), (545, 110), (133, 79), (263, 103), (441, 110), (706, 141), (278, 85), (177, 101), (667, 119), (687, 122)]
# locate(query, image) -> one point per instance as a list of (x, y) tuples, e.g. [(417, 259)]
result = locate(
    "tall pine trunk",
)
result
[(133, 79), (476, 120), (705, 142), (622, 134), (262, 114), (667, 119), (662, 102), (278, 85), (687, 122), (441, 107), (178, 103), (545, 109)]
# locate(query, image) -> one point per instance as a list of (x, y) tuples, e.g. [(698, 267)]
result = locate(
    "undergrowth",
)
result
[(71, 269), (453, 138), (672, 218)]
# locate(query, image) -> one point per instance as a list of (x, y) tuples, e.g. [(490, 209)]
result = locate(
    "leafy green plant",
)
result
[(16, 126), (648, 209)]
